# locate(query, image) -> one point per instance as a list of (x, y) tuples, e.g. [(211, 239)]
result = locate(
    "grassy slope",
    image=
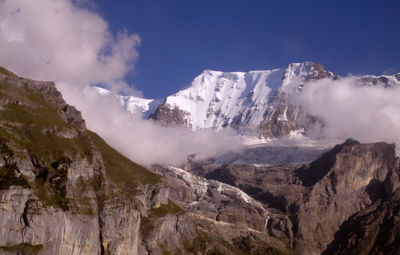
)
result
[(29, 123), (120, 169), (6, 72)]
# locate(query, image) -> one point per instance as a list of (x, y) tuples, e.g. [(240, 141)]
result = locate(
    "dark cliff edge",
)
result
[(345, 202), (64, 190)]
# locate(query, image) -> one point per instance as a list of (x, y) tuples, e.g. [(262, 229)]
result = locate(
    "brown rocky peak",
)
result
[(49, 91)]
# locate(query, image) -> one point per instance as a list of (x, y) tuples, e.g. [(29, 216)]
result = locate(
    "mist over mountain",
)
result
[(294, 159), (65, 188), (300, 101)]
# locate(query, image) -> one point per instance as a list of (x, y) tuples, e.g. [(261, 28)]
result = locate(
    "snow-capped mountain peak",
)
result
[(241, 100), (215, 98)]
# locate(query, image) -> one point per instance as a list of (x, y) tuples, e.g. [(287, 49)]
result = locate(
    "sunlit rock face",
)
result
[(324, 206), (63, 190)]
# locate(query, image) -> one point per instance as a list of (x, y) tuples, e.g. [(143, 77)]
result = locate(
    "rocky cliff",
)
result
[(345, 202), (63, 190)]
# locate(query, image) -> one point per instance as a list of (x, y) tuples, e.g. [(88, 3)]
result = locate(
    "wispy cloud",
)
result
[(142, 140), (65, 42), (57, 40), (347, 109)]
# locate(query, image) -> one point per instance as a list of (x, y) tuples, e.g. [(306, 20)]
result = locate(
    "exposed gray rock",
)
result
[(165, 115), (385, 81), (308, 204), (374, 230), (282, 117), (214, 200), (63, 190)]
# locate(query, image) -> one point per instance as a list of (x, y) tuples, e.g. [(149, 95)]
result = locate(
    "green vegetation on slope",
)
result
[(206, 243), (23, 248), (31, 128), (7, 73), (120, 169), (147, 224), (31, 123), (8, 178)]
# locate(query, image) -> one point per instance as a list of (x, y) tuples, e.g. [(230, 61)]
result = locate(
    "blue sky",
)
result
[(180, 38)]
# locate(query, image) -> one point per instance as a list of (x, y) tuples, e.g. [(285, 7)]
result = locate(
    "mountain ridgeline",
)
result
[(255, 100), (64, 190)]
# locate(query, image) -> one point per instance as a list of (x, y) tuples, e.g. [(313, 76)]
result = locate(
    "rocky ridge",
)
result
[(59, 191), (342, 203), (254, 100), (257, 99), (63, 190)]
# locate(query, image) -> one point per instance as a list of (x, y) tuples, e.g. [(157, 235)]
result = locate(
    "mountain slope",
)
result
[(345, 202), (217, 100), (59, 190), (63, 190)]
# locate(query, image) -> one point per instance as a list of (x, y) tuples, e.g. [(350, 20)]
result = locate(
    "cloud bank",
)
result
[(60, 40), (142, 140), (348, 109), (57, 40)]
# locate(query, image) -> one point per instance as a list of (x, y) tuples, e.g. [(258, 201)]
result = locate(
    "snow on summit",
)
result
[(214, 99)]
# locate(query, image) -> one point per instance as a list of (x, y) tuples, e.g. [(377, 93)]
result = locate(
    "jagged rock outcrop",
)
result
[(169, 116), (282, 117), (385, 81), (214, 200), (218, 211), (374, 230), (59, 185), (327, 204)]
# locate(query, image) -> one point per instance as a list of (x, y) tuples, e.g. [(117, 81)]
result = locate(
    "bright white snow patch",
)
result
[(200, 186), (214, 99), (135, 105)]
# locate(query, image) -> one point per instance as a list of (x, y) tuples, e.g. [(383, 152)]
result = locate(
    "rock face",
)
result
[(281, 118), (382, 80), (63, 190), (169, 116), (59, 189), (326, 206), (374, 230), (215, 200)]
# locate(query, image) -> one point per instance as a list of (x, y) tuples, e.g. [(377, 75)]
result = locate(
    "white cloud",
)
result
[(142, 140), (61, 41), (56, 40), (368, 114)]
